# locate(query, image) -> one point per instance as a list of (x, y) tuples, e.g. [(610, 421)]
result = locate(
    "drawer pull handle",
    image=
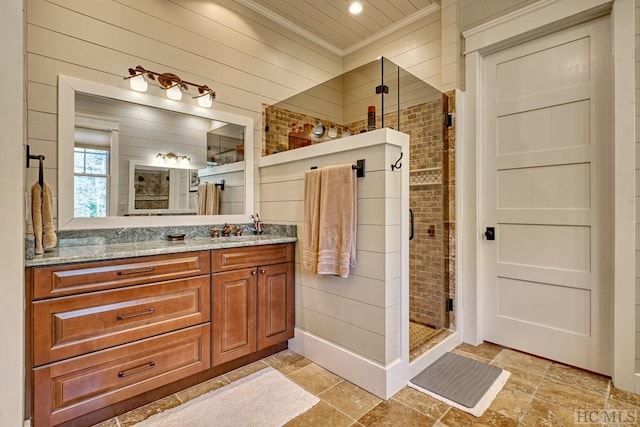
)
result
[(137, 369), (263, 271), (140, 270), (129, 316)]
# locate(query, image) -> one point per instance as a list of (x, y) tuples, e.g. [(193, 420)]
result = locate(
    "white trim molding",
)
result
[(275, 17), (544, 17), (624, 311)]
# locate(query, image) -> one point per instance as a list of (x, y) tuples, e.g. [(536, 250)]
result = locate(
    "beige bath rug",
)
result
[(266, 398)]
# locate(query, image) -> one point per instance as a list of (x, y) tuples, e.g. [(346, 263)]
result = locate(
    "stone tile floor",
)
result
[(538, 393)]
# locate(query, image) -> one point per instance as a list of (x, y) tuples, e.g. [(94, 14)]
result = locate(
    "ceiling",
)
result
[(329, 23)]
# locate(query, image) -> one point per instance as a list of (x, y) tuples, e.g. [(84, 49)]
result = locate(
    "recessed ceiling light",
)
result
[(355, 8)]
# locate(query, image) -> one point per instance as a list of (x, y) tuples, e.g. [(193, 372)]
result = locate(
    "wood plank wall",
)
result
[(360, 313), (476, 12), (415, 48), (220, 43)]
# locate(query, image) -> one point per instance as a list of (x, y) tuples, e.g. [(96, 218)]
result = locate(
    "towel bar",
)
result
[(359, 167)]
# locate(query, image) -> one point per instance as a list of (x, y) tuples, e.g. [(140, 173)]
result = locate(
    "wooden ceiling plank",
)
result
[(387, 9)]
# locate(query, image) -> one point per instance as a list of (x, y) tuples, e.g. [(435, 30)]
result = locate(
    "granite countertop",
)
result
[(100, 252)]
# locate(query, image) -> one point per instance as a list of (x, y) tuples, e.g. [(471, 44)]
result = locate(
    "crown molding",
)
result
[(291, 26), (251, 4)]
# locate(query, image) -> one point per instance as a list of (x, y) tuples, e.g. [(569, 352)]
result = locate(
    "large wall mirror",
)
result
[(129, 159)]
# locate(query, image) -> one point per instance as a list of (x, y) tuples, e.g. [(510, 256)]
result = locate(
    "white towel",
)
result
[(330, 220)]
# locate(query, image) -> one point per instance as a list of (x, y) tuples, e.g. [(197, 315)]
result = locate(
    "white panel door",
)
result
[(547, 183)]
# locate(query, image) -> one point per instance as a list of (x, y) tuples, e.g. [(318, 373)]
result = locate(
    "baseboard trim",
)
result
[(383, 381), (422, 362)]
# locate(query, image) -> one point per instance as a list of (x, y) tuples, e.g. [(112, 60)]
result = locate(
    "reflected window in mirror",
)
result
[(91, 182)]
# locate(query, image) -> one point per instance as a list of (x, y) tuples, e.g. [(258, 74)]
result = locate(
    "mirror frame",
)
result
[(67, 88)]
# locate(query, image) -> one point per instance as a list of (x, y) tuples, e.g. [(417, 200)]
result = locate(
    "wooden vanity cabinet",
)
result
[(108, 336), (253, 300)]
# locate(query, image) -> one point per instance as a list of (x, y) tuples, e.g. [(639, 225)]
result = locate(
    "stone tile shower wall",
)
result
[(151, 189), (431, 196), (279, 123)]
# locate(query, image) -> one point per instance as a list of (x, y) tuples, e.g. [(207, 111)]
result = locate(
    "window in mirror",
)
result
[(92, 154)]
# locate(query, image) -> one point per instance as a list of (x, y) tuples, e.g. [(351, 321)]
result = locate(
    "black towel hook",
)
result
[(39, 157), (398, 163), (41, 172)]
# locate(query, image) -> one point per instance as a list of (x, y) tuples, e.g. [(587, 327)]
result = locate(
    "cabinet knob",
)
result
[(263, 271), (253, 273)]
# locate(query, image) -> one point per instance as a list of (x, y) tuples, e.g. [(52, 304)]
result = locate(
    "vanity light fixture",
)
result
[(173, 85), (138, 83), (355, 8), (172, 157)]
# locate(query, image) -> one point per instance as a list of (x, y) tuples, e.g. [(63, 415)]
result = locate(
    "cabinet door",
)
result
[(234, 315), (275, 304)]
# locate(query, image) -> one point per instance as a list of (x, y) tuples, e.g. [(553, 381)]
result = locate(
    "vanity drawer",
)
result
[(252, 256), (77, 278), (68, 389), (73, 325)]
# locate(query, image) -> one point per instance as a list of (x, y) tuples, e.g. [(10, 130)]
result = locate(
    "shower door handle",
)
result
[(412, 223)]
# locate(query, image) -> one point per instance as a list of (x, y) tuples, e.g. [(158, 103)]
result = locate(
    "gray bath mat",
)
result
[(465, 383)]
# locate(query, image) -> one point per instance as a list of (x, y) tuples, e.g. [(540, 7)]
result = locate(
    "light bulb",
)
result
[(138, 83), (205, 101), (355, 8), (174, 93)]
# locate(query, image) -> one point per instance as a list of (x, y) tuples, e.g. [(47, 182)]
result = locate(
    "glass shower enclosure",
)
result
[(377, 95)]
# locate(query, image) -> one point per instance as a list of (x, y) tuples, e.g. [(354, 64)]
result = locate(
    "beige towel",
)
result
[(202, 198), (42, 217), (330, 221), (311, 220), (213, 199), (208, 199)]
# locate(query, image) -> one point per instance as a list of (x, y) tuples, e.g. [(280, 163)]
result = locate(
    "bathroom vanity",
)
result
[(111, 328)]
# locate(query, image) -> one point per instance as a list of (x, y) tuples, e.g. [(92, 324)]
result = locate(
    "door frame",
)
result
[(541, 18)]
